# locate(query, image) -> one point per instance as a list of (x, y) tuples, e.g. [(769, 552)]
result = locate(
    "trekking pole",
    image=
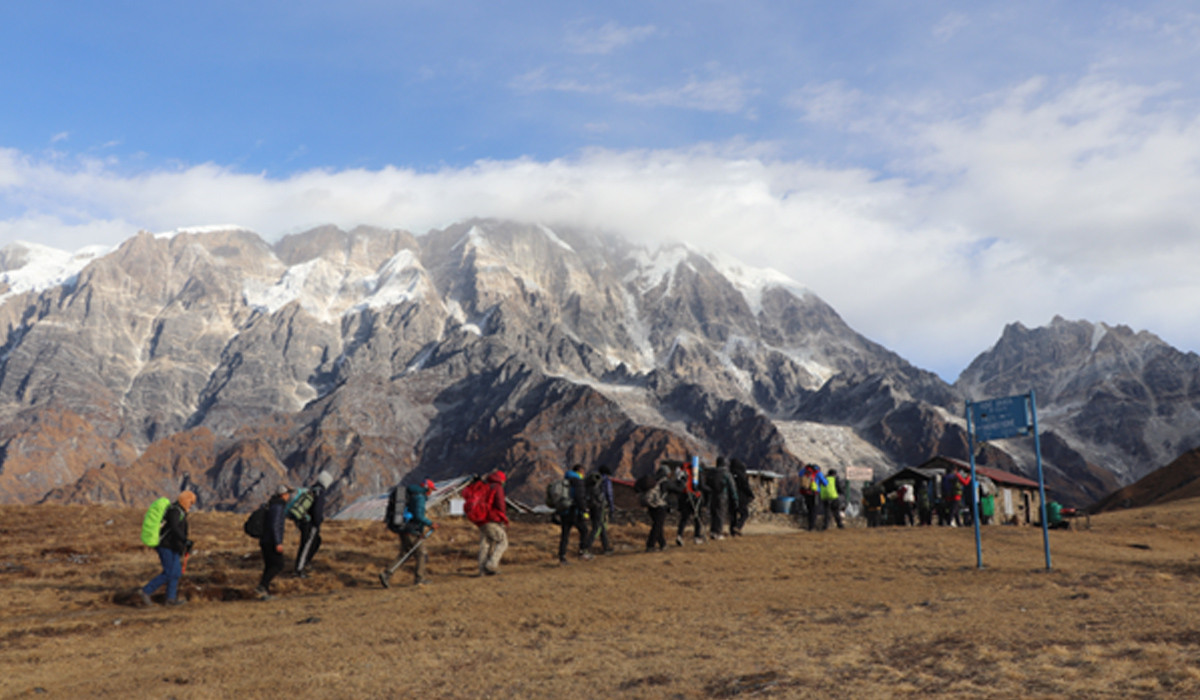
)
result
[(385, 575)]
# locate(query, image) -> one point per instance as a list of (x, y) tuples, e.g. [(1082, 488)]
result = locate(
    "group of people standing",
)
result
[(948, 499)]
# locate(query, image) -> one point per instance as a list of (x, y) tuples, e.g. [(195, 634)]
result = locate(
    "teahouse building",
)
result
[(1017, 498)]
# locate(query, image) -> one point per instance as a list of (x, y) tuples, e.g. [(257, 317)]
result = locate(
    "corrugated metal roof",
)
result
[(375, 507)]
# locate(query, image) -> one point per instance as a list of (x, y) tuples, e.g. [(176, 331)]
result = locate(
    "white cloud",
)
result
[(721, 92), (949, 26), (1077, 201), (585, 39)]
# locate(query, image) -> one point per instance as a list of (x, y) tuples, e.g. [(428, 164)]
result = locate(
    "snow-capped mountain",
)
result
[(212, 358)]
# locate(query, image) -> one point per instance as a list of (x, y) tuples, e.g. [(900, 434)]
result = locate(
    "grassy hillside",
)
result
[(893, 612)]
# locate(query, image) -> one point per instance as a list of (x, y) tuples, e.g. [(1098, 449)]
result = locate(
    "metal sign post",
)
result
[(996, 419)]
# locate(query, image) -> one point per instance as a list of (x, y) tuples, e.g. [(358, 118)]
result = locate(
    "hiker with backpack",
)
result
[(831, 500), (601, 506), (486, 507), (307, 509), (690, 501), (412, 530), (573, 514), (654, 490), (721, 500), (740, 512), (811, 480), (953, 484), (270, 542), (172, 546)]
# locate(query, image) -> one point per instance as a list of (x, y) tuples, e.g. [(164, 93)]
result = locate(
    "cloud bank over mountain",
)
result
[(934, 172)]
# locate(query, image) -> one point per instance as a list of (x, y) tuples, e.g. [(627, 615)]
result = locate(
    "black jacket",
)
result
[(175, 529), (276, 518)]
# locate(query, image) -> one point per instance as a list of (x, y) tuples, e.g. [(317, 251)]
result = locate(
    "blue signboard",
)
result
[(996, 419)]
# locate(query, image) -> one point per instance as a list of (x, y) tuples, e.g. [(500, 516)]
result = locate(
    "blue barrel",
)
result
[(782, 504)]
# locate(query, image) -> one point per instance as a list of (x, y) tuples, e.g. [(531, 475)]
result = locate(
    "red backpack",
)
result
[(477, 502)]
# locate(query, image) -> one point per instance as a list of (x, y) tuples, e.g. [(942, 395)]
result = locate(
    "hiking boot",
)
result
[(144, 599), (490, 572), (587, 556), (678, 540), (177, 602), (698, 540), (301, 574), (562, 561), (263, 594)]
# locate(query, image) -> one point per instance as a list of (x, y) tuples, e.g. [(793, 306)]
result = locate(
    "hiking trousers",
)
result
[(658, 520), (420, 557), (810, 504), (833, 510), (493, 540), (571, 519), (600, 528), (172, 571), (272, 565), (310, 542), (689, 513)]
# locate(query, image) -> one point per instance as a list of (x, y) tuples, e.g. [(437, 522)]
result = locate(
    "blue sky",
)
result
[(934, 170)]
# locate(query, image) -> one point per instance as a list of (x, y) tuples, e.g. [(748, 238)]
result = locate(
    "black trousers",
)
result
[(689, 514), (571, 519), (310, 538), (658, 520), (810, 503), (272, 565)]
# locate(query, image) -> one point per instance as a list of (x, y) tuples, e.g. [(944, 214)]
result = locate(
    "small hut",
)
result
[(1017, 499)]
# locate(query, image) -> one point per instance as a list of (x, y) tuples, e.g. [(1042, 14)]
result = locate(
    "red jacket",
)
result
[(497, 507)]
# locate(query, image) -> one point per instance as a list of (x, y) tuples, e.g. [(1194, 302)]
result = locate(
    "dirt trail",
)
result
[(895, 612)]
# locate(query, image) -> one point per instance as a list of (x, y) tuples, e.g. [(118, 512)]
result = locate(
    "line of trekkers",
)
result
[(713, 501)]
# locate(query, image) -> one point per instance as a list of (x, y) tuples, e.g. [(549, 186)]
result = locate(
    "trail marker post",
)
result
[(996, 419)]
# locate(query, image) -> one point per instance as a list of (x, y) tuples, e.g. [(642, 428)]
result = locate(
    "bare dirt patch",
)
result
[(896, 612)]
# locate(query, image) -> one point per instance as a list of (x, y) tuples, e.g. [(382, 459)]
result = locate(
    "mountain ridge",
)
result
[(382, 356)]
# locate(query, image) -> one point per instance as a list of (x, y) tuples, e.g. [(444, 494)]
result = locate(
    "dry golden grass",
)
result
[(854, 613)]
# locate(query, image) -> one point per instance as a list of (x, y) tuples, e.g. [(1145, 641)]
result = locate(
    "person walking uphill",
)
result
[(308, 510), (271, 541), (575, 515), (412, 532), (600, 506), (691, 502), (654, 492), (493, 538), (173, 544)]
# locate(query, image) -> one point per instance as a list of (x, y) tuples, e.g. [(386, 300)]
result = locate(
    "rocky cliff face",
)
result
[(1117, 401), (213, 360)]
